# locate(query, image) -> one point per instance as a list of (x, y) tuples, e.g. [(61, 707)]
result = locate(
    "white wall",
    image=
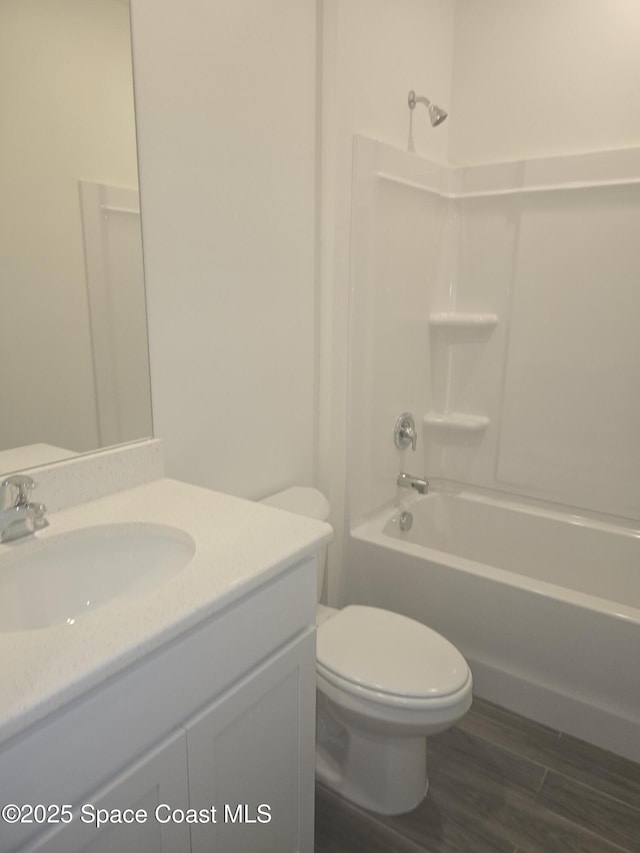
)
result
[(529, 391), (544, 77), (226, 109), (231, 302), (225, 128), (374, 52), (398, 228), (67, 114)]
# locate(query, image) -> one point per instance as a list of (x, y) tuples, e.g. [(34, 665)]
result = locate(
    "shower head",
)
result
[(436, 114)]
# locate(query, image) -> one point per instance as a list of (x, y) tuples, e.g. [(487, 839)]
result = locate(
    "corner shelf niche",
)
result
[(457, 328), (462, 320), (456, 422)]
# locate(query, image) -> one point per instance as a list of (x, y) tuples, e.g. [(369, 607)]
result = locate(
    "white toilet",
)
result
[(385, 682)]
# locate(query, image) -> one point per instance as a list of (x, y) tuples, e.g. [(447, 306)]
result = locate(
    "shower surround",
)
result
[(499, 304)]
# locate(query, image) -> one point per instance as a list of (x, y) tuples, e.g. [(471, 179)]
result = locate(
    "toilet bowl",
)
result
[(384, 683)]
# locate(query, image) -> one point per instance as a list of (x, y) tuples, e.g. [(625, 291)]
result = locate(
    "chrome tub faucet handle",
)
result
[(405, 432)]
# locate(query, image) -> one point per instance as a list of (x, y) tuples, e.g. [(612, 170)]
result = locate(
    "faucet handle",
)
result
[(405, 433), (16, 490)]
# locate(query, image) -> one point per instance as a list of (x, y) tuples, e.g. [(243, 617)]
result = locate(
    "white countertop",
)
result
[(239, 546)]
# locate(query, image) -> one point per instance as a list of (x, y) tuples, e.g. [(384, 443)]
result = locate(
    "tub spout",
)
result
[(408, 481)]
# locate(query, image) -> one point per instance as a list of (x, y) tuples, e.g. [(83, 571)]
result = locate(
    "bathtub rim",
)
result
[(371, 529)]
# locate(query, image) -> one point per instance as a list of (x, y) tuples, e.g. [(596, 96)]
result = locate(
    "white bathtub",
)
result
[(544, 605)]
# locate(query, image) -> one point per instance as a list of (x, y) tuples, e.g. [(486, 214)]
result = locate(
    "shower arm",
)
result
[(436, 115), (417, 99)]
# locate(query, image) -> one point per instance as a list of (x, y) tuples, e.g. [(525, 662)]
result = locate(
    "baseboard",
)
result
[(574, 716)]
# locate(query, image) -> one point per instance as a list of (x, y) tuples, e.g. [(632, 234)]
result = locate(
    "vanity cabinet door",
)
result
[(160, 777), (252, 757)]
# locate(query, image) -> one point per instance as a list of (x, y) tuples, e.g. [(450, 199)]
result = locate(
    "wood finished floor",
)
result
[(498, 782)]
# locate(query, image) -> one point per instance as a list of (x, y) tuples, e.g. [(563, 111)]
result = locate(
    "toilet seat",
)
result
[(390, 659)]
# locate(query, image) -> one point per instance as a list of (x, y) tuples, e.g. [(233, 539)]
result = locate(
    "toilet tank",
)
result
[(303, 500)]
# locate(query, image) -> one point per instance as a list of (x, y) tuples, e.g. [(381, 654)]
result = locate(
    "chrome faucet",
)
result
[(18, 516), (408, 481)]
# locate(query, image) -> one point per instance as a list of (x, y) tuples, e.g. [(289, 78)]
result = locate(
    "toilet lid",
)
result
[(389, 653)]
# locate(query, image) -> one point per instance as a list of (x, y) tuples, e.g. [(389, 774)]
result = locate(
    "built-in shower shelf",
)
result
[(456, 422), (460, 320)]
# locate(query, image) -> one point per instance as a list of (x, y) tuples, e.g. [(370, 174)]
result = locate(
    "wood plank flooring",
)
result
[(499, 782)]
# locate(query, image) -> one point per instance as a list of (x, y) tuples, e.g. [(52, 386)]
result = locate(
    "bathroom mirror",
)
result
[(74, 367)]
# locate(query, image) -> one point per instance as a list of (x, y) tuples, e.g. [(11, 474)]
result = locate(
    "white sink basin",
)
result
[(61, 578)]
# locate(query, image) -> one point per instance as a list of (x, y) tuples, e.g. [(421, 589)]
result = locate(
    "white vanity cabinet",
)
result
[(219, 722), (251, 754), (159, 777), (265, 731)]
